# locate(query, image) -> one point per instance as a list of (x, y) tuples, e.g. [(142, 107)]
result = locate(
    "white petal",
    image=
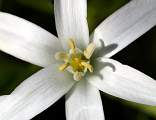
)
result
[(125, 26), (27, 41), (2, 98), (124, 82), (71, 22), (83, 102), (36, 94)]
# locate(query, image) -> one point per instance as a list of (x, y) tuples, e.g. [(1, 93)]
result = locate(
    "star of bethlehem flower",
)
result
[(83, 65)]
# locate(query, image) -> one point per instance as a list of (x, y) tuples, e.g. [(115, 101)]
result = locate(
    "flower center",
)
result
[(76, 61)]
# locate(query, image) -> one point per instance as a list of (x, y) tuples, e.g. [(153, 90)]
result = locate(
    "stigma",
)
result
[(75, 60)]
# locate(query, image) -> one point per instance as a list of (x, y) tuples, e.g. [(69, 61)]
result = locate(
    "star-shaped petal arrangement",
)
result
[(86, 68)]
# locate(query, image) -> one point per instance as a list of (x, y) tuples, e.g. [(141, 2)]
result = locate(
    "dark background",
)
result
[(140, 55)]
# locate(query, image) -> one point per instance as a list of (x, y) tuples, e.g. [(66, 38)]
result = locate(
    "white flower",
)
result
[(33, 44)]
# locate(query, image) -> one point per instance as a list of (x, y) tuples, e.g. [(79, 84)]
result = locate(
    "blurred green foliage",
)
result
[(38, 5), (140, 55)]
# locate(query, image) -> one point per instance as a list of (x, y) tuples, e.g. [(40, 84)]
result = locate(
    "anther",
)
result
[(77, 76), (72, 46), (63, 66), (89, 50), (88, 66), (61, 56)]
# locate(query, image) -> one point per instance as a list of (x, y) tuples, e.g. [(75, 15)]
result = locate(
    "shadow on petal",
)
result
[(99, 66), (104, 49)]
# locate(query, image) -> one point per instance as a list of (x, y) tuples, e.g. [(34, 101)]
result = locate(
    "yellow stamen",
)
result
[(89, 50), (61, 56), (72, 46), (63, 66), (76, 61), (88, 66)]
